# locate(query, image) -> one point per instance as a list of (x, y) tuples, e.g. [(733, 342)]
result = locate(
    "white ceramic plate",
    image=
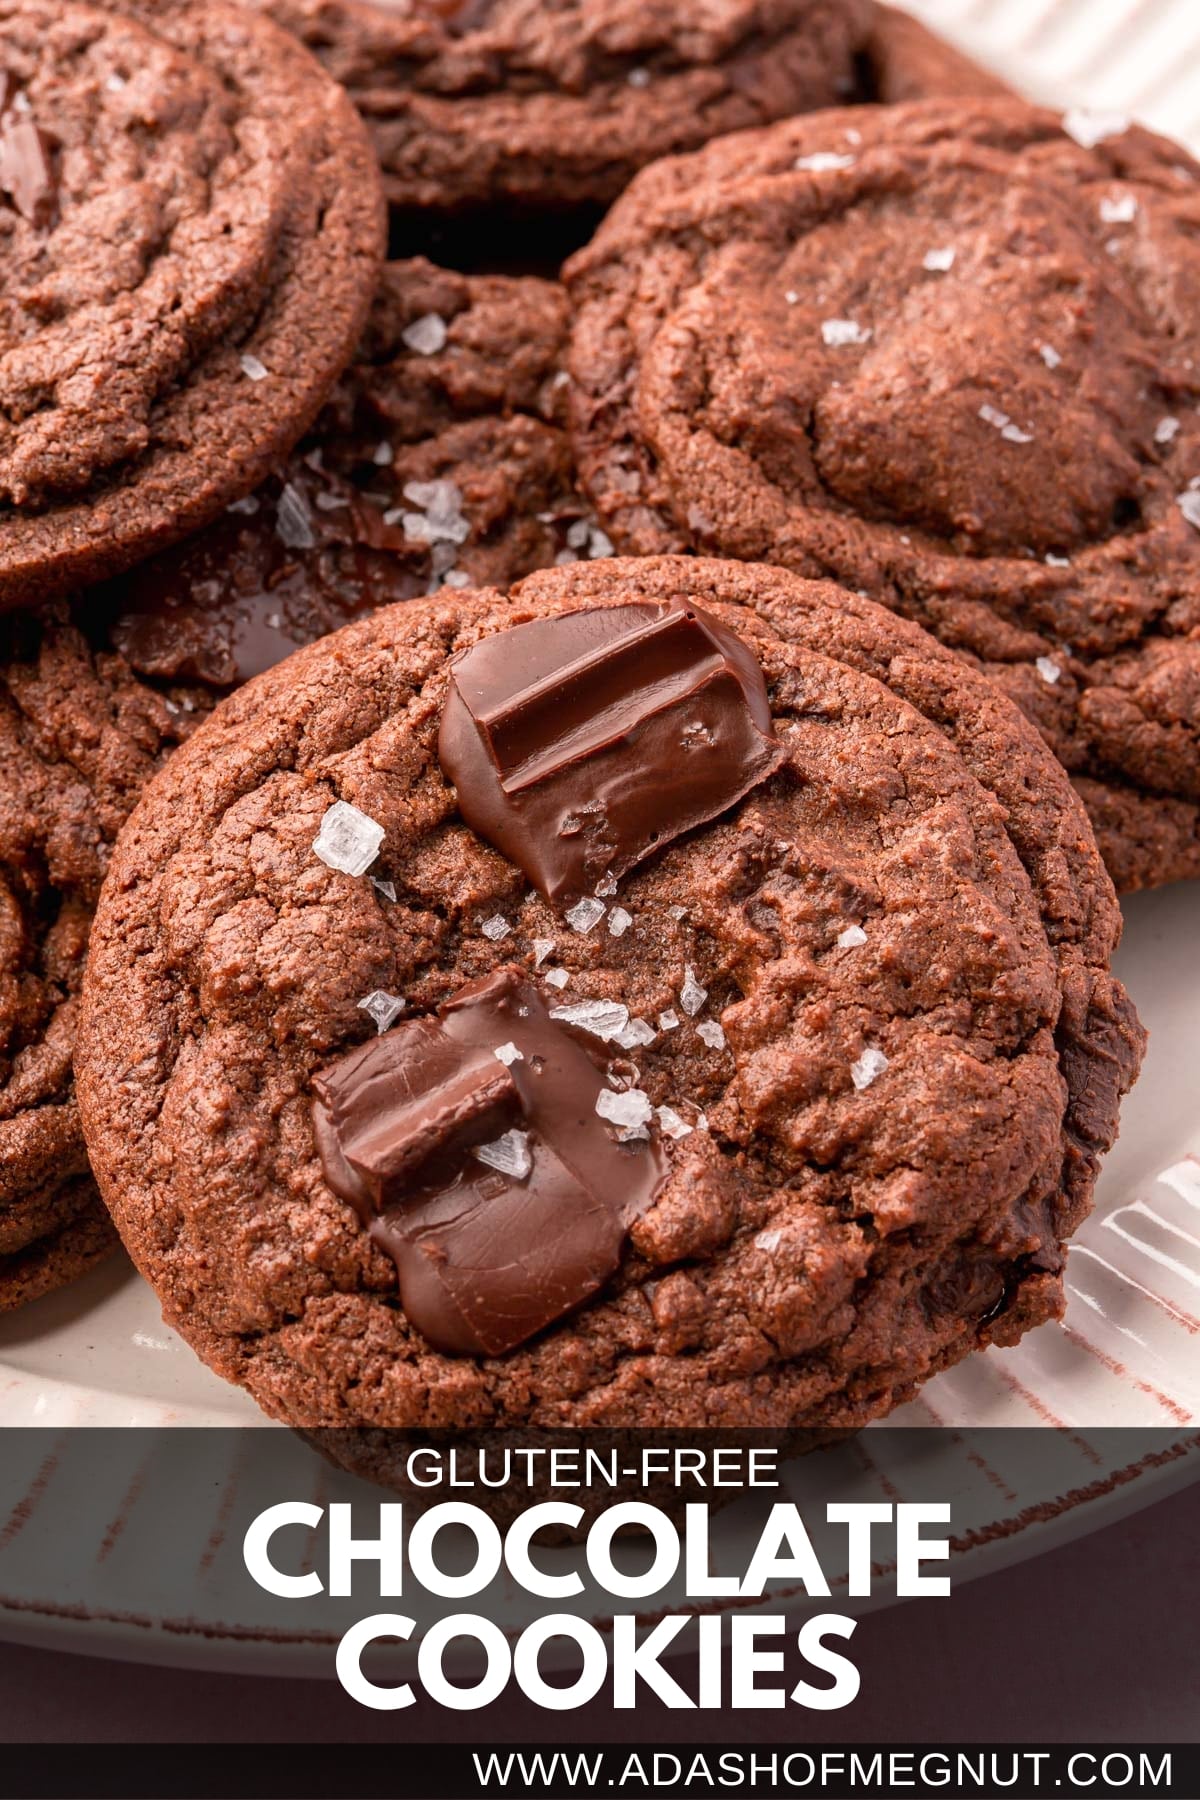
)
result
[(1137, 57), (1128, 1351)]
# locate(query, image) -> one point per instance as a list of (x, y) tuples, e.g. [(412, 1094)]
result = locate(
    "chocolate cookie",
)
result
[(794, 1105), (949, 356), (512, 113), (192, 228), (84, 1238), (428, 466)]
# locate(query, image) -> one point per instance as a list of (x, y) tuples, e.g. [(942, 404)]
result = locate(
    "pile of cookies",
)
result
[(590, 590)]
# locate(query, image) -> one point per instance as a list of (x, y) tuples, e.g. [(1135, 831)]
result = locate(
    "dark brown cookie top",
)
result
[(426, 467), (514, 103), (869, 1009), (949, 356), (192, 226)]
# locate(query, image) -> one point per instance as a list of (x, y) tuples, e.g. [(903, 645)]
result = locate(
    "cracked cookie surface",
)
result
[(947, 356), (873, 996), (192, 227)]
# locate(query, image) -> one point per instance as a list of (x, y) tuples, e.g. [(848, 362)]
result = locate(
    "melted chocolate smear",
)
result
[(580, 745), (302, 557), (485, 1259), (27, 174)]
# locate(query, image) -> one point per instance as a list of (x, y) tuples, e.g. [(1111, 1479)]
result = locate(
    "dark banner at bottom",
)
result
[(665, 1772)]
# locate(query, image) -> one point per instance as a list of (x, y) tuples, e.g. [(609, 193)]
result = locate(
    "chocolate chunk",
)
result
[(26, 169), (486, 1258), (239, 597), (581, 744)]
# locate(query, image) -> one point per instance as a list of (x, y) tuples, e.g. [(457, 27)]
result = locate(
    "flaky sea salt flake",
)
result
[(1091, 128), (631, 1110), (557, 978), (441, 499), (852, 937), (509, 1154), (1189, 505), (1166, 430), (605, 1019), (691, 995), (636, 1035), (585, 915), (1048, 669), (542, 948), (386, 888), (495, 928), (867, 1067), (252, 369), (442, 523), (669, 1020), (822, 162), (348, 839), (992, 415), (1049, 356), (939, 262), (837, 333), (426, 335), (383, 1008), (507, 1054), (710, 1033), (671, 1124), (293, 521), (1118, 209)]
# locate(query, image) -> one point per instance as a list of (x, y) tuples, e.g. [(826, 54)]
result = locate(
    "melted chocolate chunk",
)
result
[(27, 176), (579, 745), (301, 557), (486, 1258)]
